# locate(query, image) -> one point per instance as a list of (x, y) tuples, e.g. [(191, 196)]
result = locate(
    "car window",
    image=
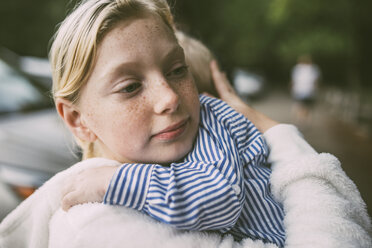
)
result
[(17, 93)]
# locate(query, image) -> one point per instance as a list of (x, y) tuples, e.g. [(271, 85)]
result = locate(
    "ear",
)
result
[(74, 121)]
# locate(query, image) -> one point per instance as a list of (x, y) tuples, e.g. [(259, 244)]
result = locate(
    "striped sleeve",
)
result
[(190, 195), (129, 185)]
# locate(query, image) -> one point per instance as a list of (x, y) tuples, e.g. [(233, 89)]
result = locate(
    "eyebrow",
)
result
[(128, 66), (176, 50)]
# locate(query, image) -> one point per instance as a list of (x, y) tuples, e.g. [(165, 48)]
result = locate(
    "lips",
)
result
[(173, 131)]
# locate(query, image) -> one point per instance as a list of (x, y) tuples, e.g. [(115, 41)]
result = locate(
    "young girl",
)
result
[(194, 165), (120, 83)]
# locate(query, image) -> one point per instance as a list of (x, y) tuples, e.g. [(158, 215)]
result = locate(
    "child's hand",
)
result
[(224, 89), (228, 94), (89, 185)]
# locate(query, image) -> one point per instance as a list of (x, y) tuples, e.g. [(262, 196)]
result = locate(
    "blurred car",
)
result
[(34, 144), (247, 84), (36, 68)]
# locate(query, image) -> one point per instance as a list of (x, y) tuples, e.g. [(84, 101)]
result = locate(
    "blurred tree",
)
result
[(269, 35), (320, 28), (362, 25), (264, 36), (235, 30), (27, 26)]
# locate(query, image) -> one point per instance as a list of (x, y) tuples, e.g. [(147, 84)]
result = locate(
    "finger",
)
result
[(220, 80), (216, 73), (70, 200), (214, 66)]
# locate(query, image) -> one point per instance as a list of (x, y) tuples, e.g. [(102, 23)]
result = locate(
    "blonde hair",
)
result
[(74, 48), (198, 57)]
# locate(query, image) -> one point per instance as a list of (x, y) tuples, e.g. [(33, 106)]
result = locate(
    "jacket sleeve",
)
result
[(286, 144), (322, 205), (188, 196)]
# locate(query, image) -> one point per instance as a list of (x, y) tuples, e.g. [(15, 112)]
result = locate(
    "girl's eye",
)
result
[(131, 88), (179, 71)]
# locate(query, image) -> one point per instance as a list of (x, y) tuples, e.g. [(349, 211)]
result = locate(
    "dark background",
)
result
[(265, 36)]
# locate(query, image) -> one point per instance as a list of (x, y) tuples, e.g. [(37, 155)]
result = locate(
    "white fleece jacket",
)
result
[(322, 205)]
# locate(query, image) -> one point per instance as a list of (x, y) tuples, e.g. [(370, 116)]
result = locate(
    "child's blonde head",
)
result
[(74, 48), (198, 57)]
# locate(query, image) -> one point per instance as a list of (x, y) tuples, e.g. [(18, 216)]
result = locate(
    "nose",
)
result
[(167, 99)]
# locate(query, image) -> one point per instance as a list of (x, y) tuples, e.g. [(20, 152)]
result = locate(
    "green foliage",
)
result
[(270, 35), (321, 41), (27, 26), (316, 27), (265, 35)]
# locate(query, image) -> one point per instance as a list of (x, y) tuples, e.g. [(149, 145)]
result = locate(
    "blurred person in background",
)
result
[(304, 84)]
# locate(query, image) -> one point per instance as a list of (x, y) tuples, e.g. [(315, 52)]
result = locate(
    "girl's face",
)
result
[(140, 100)]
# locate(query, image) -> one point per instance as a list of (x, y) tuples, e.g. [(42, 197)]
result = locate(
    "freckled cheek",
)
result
[(133, 123), (190, 95)]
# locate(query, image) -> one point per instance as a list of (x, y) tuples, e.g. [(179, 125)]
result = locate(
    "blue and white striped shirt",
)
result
[(220, 185)]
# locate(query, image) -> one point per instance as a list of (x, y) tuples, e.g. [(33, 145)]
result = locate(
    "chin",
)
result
[(174, 155), (177, 158)]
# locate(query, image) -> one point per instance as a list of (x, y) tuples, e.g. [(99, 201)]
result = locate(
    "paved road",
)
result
[(327, 133)]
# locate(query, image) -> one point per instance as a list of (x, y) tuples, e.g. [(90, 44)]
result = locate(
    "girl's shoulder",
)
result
[(213, 110)]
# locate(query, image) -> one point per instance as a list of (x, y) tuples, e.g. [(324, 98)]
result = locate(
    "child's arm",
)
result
[(188, 196)]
